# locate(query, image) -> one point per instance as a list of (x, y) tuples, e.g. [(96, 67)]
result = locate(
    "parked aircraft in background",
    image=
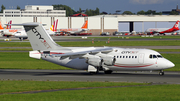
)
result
[(52, 31), (8, 31), (163, 30), (76, 30), (92, 59)]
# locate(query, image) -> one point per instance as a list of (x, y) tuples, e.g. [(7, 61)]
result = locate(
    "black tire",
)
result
[(108, 72)]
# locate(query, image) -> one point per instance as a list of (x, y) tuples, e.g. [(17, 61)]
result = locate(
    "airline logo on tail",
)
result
[(1, 25), (85, 25), (9, 25), (176, 25), (54, 26)]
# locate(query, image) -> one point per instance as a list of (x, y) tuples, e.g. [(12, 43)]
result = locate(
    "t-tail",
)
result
[(85, 25), (39, 38)]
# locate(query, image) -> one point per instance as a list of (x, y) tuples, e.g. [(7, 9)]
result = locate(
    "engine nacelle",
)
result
[(110, 61), (95, 61)]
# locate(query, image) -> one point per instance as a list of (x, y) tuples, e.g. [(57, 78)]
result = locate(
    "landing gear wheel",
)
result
[(108, 72), (161, 73)]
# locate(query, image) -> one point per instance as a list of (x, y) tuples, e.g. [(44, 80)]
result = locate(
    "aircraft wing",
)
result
[(83, 53)]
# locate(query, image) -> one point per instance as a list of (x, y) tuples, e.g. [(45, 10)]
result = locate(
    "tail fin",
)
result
[(176, 25), (1, 26), (54, 26), (85, 25), (39, 38), (9, 24)]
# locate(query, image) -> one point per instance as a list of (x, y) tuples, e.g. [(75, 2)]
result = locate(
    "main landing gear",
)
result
[(161, 72), (108, 71)]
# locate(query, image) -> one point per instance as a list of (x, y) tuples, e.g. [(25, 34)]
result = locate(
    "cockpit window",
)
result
[(152, 56), (159, 56)]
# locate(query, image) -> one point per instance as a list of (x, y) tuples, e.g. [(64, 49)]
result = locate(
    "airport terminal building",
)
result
[(96, 24)]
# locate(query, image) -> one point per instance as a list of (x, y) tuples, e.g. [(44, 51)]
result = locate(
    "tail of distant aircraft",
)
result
[(54, 26), (176, 25), (1, 27), (9, 24), (85, 25)]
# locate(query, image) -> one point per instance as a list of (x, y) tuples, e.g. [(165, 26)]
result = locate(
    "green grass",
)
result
[(175, 59), (100, 43), (8, 86), (138, 93), (167, 50), (21, 60)]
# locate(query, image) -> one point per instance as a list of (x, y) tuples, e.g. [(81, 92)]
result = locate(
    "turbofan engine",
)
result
[(94, 60)]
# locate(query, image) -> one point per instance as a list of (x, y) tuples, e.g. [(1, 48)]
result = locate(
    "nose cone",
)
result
[(170, 64)]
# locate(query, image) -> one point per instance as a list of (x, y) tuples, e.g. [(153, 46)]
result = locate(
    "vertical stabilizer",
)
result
[(85, 25), (176, 25), (1, 26), (39, 38)]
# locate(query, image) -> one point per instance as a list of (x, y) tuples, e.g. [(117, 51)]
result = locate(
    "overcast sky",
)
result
[(109, 6)]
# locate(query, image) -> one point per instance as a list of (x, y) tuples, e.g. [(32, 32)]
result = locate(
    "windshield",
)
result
[(152, 56)]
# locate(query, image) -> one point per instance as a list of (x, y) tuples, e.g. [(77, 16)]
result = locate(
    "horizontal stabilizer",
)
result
[(35, 54)]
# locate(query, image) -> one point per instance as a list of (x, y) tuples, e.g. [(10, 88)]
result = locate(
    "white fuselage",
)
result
[(126, 59)]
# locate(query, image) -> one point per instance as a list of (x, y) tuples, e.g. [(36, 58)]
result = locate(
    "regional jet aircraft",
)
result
[(93, 59), (163, 30)]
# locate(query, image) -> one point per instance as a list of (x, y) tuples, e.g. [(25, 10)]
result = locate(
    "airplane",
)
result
[(163, 30), (8, 31), (22, 34), (76, 30), (92, 59)]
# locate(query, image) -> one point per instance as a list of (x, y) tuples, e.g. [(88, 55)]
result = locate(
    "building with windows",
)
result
[(34, 11)]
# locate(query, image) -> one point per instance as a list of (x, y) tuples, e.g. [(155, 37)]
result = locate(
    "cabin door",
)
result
[(141, 58)]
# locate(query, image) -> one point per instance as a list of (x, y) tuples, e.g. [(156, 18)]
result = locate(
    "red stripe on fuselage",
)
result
[(133, 66)]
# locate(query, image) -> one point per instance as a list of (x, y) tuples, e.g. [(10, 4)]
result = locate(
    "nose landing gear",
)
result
[(161, 73)]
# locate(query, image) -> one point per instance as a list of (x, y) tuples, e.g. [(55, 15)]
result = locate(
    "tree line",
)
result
[(90, 12)]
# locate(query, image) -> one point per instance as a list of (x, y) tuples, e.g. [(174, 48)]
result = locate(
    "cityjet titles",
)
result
[(41, 38), (129, 52)]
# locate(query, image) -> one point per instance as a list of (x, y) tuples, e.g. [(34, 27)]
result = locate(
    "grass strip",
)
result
[(21, 60), (100, 43), (8, 86), (140, 93)]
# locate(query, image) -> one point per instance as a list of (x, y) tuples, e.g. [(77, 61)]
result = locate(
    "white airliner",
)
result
[(93, 59), (76, 30), (163, 30), (22, 34)]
